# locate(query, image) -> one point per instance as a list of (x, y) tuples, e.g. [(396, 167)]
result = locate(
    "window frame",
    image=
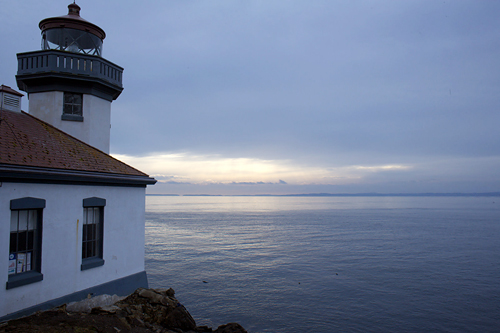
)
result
[(97, 260), (72, 116), (34, 275)]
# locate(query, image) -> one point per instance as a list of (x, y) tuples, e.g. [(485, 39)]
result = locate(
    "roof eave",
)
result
[(25, 174)]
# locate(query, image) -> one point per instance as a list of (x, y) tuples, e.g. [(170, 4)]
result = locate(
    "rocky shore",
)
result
[(146, 310)]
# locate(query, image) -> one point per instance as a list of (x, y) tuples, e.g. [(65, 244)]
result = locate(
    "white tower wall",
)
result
[(93, 130)]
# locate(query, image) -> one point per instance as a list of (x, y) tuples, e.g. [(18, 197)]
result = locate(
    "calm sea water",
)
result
[(330, 264)]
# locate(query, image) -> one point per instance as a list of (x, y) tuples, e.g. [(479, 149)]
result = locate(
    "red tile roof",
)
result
[(30, 142)]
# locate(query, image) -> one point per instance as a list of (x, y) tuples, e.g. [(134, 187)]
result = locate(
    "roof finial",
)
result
[(74, 9)]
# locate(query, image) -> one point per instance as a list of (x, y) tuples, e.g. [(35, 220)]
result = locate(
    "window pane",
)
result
[(90, 216), (21, 262), (77, 109), (31, 236), (22, 240), (13, 220), (23, 220), (91, 231), (97, 215), (85, 236), (12, 263), (13, 242), (89, 250), (77, 99), (68, 98), (32, 218), (29, 261), (68, 109), (84, 249), (85, 212)]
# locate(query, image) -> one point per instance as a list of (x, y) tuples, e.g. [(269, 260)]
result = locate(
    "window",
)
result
[(25, 248), (73, 107), (92, 235), (72, 40)]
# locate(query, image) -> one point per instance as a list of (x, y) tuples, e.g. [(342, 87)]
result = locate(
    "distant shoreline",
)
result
[(485, 194)]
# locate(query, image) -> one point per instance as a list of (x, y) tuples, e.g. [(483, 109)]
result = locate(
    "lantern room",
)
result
[(72, 33)]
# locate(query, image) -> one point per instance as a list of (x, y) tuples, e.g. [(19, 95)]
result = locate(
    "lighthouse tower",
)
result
[(69, 84)]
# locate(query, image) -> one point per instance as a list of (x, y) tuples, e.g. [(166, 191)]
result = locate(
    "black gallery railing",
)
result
[(67, 62)]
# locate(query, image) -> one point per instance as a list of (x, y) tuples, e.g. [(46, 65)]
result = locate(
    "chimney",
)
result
[(10, 99)]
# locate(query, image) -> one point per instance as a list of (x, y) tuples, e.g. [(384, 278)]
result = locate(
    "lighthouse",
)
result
[(74, 216), (69, 84)]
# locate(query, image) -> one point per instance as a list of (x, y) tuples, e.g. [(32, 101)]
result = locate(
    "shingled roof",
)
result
[(29, 144), (10, 90)]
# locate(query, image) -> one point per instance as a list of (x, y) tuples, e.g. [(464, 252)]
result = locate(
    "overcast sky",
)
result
[(233, 97)]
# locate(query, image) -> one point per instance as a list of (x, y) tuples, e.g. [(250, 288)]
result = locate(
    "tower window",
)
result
[(73, 107)]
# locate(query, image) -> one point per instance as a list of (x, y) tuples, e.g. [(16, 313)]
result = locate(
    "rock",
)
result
[(88, 304), (125, 322), (180, 318), (230, 328), (146, 310), (156, 308), (110, 308), (166, 292), (170, 292), (151, 295), (134, 321)]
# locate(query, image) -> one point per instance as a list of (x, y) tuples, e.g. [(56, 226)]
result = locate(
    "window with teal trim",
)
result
[(93, 232), (25, 245)]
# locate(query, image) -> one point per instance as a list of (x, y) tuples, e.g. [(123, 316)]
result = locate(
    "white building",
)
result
[(71, 216)]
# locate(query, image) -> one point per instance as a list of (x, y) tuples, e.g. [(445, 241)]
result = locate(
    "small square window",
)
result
[(73, 107), (72, 104)]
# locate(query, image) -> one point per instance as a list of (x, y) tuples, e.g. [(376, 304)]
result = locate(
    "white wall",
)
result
[(123, 249), (95, 128)]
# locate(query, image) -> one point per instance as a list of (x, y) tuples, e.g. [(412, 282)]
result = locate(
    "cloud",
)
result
[(377, 168), (186, 168), (173, 182), (193, 173), (195, 168), (280, 182)]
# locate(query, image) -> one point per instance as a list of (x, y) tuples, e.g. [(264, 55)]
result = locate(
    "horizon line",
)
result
[(369, 194)]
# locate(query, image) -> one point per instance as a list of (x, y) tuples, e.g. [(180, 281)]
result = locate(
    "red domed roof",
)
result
[(72, 20)]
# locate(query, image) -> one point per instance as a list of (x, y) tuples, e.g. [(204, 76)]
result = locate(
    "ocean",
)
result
[(329, 264)]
